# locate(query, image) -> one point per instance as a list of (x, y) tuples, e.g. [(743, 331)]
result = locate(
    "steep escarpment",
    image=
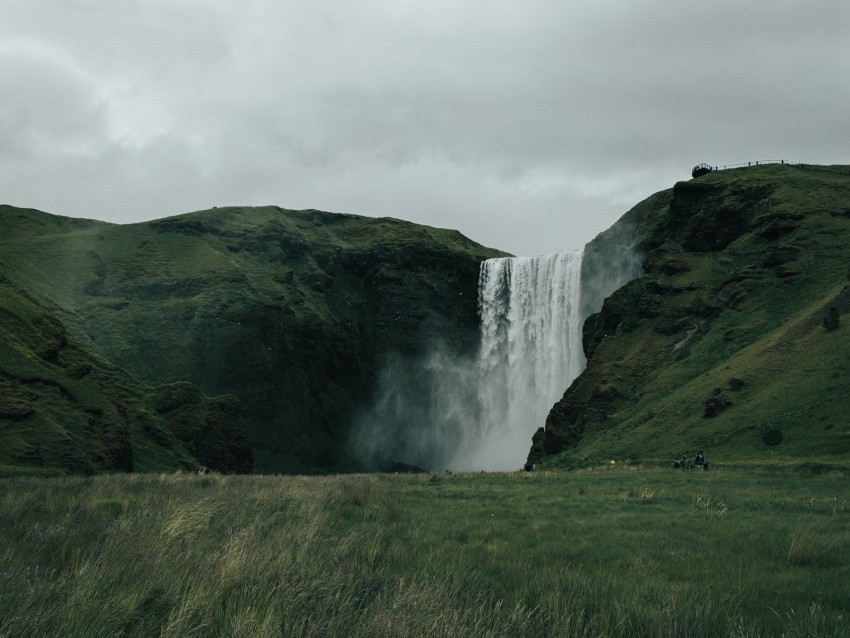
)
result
[(733, 337), (64, 409), (291, 312)]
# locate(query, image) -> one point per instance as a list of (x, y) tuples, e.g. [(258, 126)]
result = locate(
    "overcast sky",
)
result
[(528, 125)]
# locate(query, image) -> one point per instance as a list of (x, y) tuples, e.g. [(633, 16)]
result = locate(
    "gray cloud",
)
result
[(528, 126)]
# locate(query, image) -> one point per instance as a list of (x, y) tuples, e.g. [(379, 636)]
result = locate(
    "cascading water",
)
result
[(480, 413), (530, 351)]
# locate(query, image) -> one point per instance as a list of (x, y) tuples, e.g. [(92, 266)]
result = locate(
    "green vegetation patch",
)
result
[(610, 552), (732, 341), (292, 312)]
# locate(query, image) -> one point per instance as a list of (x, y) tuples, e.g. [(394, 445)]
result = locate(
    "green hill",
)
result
[(734, 339), (290, 311), (245, 338), (63, 408)]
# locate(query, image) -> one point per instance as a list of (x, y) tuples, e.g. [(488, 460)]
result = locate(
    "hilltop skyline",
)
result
[(528, 127)]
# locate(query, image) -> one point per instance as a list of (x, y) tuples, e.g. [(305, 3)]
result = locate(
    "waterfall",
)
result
[(479, 413), (530, 351)]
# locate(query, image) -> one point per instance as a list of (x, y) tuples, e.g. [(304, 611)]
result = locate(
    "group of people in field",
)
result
[(700, 463)]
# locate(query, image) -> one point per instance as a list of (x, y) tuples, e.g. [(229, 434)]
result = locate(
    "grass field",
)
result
[(617, 551)]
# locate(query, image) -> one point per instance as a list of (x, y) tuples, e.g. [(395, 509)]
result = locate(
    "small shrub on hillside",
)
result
[(736, 384), (832, 319), (716, 404), (772, 435)]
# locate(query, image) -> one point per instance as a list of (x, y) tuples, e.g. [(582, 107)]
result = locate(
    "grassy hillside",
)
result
[(63, 408), (733, 341), (614, 553), (291, 311), (730, 337)]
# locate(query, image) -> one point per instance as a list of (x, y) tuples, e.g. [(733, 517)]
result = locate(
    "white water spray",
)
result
[(480, 413), (530, 351)]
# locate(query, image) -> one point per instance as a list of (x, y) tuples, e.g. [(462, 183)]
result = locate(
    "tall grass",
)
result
[(617, 553)]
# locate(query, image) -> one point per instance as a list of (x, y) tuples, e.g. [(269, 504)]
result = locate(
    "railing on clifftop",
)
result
[(840, 169), (703, 169)]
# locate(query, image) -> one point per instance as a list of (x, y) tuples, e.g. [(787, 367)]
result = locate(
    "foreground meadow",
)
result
[(595, 553)]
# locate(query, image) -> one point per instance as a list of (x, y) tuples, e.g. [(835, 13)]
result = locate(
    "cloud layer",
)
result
[(529, 126)]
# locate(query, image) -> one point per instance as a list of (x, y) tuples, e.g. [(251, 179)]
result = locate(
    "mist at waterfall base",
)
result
[(443, 411)]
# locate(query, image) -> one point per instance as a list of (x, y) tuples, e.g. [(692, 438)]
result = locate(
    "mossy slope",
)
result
[(64, 409), (721, 345), (291, 311)]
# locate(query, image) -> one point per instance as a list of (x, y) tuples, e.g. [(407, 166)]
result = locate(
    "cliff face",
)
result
[(289, 312), (722, 342), (63, 408)]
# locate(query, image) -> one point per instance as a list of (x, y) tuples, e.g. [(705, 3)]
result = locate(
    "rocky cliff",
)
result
[(732, 339), (289, 313)]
